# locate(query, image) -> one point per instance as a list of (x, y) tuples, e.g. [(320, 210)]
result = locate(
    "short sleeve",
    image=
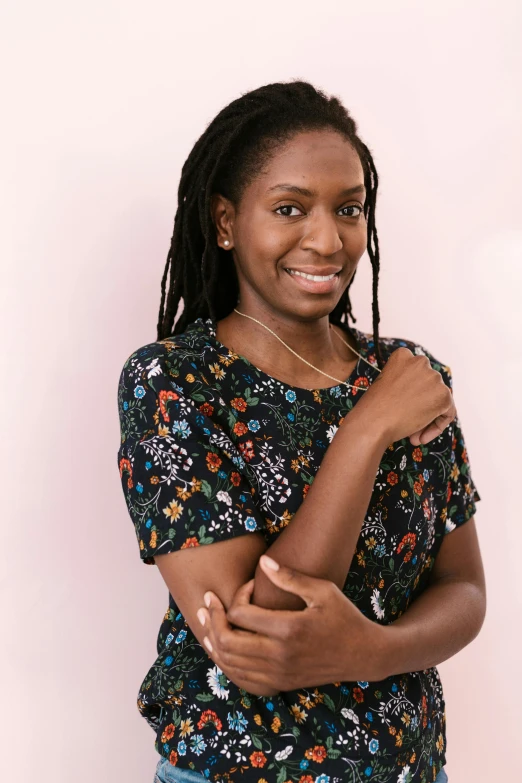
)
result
[(461, 491), (182, 477)]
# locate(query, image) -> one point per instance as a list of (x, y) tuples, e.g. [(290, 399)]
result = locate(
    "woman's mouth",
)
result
[(315, 283)]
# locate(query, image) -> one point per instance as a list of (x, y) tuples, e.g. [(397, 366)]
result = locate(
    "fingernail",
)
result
[(207, 599), (207, 643), (201, 616), (270, 563)]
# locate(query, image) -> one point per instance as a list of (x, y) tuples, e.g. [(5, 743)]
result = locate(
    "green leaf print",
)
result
[(257, 742), (282, 775), (329, 702), (204, 696), (206, 489)]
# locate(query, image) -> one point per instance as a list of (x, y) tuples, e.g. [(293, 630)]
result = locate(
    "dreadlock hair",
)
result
[(226, 158)]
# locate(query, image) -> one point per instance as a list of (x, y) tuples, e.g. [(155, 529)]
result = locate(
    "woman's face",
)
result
[(303, 213)]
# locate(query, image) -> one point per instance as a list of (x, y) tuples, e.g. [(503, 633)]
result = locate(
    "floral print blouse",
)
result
[(211, 448)]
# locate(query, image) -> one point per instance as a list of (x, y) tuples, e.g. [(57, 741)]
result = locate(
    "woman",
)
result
[(301, 639)]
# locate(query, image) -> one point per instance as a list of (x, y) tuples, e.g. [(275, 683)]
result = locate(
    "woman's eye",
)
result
[(352, 207), (287, 206)]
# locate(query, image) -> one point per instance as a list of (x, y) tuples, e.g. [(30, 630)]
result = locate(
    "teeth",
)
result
[(318, 278)]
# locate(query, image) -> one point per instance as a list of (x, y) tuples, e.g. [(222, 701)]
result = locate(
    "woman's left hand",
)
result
[(280, 650)]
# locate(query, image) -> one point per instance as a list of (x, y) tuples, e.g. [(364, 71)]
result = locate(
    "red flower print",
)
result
[(449, 494), (417, 488), (209, 716), (318, 753), (240, 428), (168, 732), (409, 541), (173, 758), (257, 759), (417, 454), (360, 383), (239, 404), (190, 542), (358, 695), (247, 450), (206, 409), (213, 462), (392, 478), (235, 478), (163, 397)]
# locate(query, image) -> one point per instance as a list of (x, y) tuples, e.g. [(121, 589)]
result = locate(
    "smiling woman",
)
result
[(301, 638)]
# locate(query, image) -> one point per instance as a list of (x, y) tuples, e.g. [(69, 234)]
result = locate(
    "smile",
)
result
[(315, 284), (318, 278)]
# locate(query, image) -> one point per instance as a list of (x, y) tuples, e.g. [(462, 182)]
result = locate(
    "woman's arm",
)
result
[(322, 535), (445, 618)]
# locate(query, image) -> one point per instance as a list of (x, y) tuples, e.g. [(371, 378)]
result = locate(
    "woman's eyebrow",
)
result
[(312, 193)]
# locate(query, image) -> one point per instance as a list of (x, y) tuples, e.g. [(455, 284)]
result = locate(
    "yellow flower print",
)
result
[(195, 484), (186, 727), (142, 545), (190, 378), (398, 738), (298, 714), (444, 513), (217, 371), (361, 559), (173, 510), (163, 431), (404, 493), (153, 537), (183, 493), (276, 724), (258, 719), (454, 472), (370, 542), (440, 743), (406, 719)]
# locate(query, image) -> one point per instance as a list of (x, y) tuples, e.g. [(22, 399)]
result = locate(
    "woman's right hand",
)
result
[(409, 399)]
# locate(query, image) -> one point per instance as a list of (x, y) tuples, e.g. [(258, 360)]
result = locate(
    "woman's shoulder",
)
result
[(390, 344)]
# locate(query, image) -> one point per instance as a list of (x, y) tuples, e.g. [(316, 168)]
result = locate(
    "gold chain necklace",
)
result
[(344, 383)]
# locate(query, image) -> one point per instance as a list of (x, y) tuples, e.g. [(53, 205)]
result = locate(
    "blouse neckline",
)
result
[(210, 327)]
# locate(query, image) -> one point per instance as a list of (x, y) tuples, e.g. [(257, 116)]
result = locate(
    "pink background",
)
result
[(102, 105)]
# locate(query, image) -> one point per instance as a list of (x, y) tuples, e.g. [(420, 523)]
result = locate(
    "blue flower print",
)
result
[(394, 688), (148, 465), (322, 779), (139, 487), (198, 744), (426, 475), (168, 660), (139, 392), (237, 722), (369, 716), (363, 684), (253, 425), (291, 396), (304, 764), (181, 428), (148, 523), (250, 523), (270, 706), (182, 747), (290, 416), (169, 638), (373, 746), (368, 771), (222, 474), (125, 406), (181, 635), (242, 498)]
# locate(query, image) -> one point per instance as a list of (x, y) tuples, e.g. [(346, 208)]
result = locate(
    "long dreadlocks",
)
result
[(226, 158)]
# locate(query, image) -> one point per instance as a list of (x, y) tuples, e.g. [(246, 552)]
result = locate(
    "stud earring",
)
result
[(226, 243)]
